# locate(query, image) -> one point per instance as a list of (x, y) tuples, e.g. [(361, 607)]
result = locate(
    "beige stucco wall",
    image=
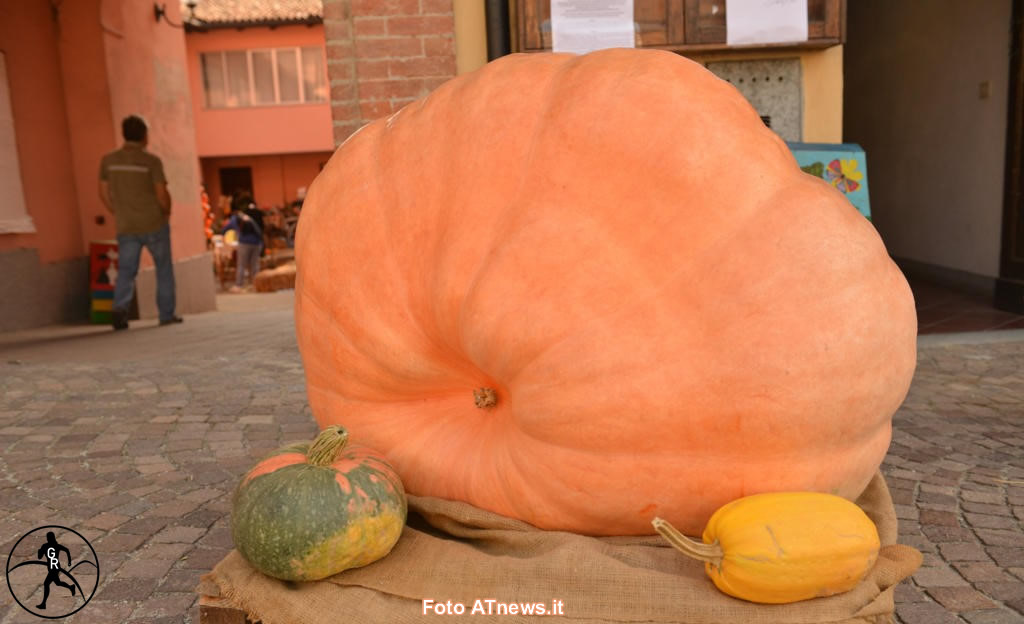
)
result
[(823, 95), (935, 149), (470, 35)]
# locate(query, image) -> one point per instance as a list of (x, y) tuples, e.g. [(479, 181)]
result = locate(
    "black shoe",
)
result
[(171, 321), (119, 318)]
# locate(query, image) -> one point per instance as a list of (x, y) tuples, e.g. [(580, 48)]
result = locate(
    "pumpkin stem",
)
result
[(710, 553), (485, 397), (326, 446)]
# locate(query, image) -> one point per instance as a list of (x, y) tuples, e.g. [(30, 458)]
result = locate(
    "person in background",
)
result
[(134, 190), (241, 199), (248, 223)]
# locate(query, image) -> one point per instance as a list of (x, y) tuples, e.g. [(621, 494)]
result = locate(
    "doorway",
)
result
[(236, 180), (1010, 285)]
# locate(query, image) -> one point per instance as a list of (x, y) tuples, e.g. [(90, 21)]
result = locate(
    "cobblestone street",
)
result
[(137, 439)]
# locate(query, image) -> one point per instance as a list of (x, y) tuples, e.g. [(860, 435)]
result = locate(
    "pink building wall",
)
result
[(84, 73), (28, 37), (75, 69), (274, 129), (110, 60), (146, 68)]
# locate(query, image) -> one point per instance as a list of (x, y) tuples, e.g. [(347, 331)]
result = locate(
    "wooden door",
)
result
[(705, 21), (658, 23), (680, 25), (1010, 285)]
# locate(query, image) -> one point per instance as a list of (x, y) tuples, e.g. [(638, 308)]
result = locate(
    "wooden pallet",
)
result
[(214, 609)]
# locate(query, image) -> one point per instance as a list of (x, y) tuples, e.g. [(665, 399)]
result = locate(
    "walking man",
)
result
[(51, 550), (134, 190)]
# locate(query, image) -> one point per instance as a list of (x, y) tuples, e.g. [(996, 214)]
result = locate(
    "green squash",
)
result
[(308, 511)]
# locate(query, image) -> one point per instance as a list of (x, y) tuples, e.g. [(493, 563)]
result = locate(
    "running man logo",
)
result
[(34, 569)]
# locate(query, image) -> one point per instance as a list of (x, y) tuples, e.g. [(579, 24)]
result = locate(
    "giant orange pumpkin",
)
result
[(584, 291)]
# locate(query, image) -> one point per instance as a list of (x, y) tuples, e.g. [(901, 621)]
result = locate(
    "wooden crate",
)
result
[(214, 609)]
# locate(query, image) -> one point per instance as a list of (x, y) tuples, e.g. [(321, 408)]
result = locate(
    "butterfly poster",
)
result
[(842, 165)]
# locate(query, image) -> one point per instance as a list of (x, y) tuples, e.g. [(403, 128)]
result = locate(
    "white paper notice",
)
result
[(582, 26), (765, 21)]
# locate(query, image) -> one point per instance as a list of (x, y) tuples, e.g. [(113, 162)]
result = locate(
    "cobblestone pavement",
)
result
[(137, 439), (956, 472)]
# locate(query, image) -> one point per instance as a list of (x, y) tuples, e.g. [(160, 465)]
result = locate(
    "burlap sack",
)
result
[(454, 552)]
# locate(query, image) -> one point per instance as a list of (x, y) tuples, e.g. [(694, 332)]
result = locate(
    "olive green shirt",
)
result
[(132, 174)]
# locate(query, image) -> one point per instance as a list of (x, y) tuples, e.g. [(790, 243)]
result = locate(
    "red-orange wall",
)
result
[(275, 179), (76, 68), (83, 36), (146, 68), (279, 129), (28, 38)]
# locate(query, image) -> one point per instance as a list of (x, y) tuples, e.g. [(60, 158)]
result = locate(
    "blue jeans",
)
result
[(129, 250), (247, 260)]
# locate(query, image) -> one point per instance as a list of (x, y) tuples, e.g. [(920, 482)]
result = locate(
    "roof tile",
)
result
[(255, 11)]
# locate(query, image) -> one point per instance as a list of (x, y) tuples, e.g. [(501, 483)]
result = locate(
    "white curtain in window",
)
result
[(313, 81), (213, 78), (288, 75), (263, 77), (238, 78), (14, 217)]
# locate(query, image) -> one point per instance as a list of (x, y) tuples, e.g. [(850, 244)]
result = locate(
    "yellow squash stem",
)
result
[(709, 553), (327, 445)]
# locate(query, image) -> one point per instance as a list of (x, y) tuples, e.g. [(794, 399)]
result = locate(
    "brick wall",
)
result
[(383, 54)]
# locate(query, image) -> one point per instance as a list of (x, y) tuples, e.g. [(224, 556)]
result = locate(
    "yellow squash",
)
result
[(783, 547)]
